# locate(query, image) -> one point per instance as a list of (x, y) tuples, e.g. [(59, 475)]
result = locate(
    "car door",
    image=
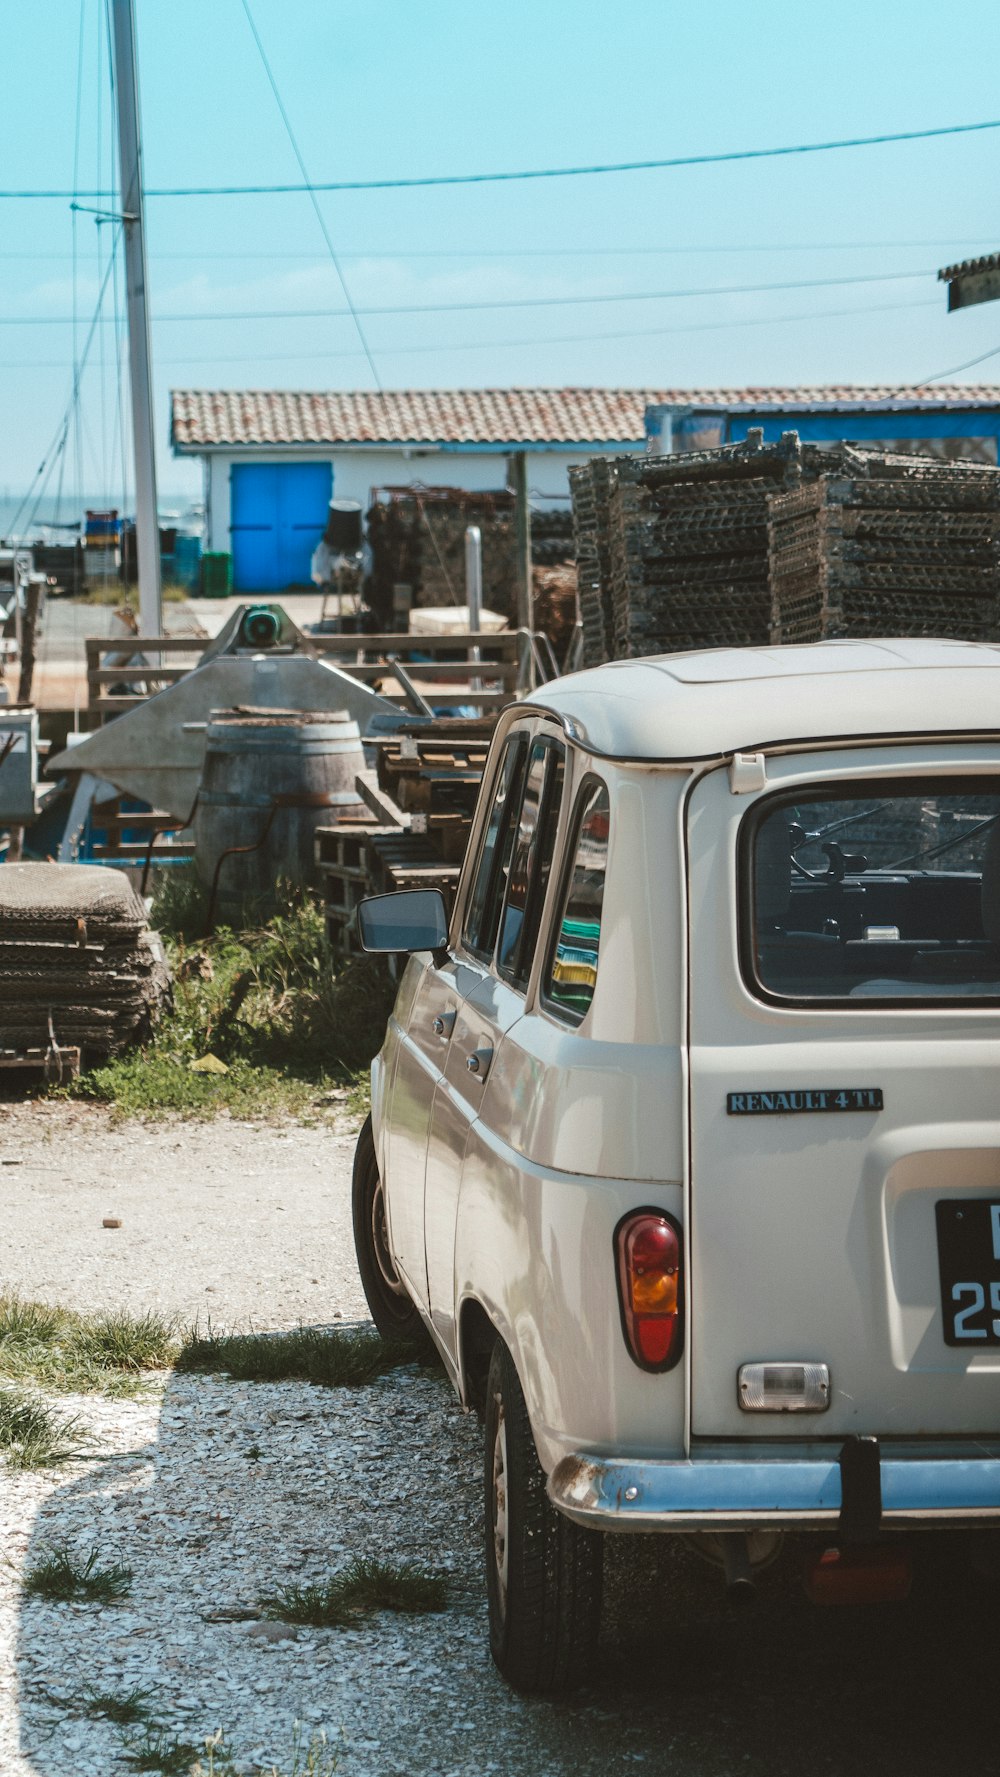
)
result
[(424, 1022), (498, 941)]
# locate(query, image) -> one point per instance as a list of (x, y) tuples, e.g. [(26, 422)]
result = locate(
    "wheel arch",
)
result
[(477, 1335)]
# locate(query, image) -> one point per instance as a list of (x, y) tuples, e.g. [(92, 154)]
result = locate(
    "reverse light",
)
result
[(649, 1255), (784, 1388)]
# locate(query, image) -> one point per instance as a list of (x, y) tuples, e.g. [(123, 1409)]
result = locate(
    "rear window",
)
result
[(892, 895)]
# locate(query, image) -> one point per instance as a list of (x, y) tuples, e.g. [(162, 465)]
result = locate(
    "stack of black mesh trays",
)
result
[(903, 546), (758, 543), (672, 552), (80, 971)]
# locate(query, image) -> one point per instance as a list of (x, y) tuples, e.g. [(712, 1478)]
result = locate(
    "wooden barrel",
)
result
[(270, 778)]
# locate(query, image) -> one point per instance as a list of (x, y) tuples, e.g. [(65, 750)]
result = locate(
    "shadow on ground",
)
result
[(222, 1491)]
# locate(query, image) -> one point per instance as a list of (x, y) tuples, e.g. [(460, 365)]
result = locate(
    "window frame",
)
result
[(517, 742), (590, 781), (834, 789), (553, 749)]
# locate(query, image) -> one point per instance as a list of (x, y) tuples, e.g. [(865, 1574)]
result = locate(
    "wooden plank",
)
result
[(115, 675), (505, 640), (378, 800), (98, 645)]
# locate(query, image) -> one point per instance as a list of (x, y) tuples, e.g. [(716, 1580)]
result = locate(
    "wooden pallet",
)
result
[(57, 1062)]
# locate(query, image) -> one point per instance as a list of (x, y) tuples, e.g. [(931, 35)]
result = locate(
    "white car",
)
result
[(685, 1138)]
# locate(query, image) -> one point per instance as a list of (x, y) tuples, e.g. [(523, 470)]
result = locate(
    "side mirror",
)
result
[(409, 920)]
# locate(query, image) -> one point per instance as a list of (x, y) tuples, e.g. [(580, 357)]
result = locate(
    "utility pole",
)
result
[(147, 532)]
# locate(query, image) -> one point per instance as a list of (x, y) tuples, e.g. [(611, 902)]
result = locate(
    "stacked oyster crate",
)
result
[(81, 974), (903, 546), (419, 802), (417, 539), (754, 544), (672, 552)]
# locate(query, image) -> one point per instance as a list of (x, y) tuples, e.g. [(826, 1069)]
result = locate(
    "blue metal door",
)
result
[(278, 514)]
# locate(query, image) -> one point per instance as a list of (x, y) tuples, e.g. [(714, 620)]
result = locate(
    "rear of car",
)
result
[(841, 1271)]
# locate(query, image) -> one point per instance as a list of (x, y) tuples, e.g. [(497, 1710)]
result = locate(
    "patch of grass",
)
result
[(346, 1359), (81, 1353), (290, 1020), (366, 1586), (60, 1576), (31, 1436), (164, 1753), (127, 1709), (157, 1081)]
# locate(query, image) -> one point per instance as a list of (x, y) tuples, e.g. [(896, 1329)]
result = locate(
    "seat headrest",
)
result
[(772, 871)]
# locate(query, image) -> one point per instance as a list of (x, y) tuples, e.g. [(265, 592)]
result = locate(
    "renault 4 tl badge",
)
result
[(775, 1103)]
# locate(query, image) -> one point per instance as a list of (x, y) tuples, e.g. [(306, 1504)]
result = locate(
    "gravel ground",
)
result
[(215, 1492)]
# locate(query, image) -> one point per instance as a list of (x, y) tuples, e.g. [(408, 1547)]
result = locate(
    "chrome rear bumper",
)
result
[(609, 1493)]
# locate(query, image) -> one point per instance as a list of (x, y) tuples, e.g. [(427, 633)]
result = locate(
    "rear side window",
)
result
[(571, 976), (531, 862), (881, 892), (487, 895)]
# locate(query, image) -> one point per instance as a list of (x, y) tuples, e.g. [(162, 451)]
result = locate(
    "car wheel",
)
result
[(543, 1573), (392, 1309)]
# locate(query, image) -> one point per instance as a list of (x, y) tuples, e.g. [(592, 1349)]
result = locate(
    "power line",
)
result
[(485, 345), (296, 150), (310, 187), (504, 303), (582, 338), (938, 374), (62, 430), (584, 252)]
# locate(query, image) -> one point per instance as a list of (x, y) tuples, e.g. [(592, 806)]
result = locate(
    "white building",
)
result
[(273, 460)]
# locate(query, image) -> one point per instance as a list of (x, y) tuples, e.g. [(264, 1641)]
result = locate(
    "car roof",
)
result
[(717, 701)]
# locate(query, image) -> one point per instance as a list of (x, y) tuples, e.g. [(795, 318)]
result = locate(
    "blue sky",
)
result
[(414, 87)]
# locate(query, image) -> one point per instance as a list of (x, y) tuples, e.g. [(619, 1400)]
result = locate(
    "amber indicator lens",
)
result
[(649, 1280)]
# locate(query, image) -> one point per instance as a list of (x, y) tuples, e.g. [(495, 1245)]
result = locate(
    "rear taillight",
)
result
[(649, 1255)]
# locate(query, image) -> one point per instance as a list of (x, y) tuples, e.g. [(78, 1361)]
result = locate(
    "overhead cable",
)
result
[(587, 252), (487, 345), (321, 219), (517, 302), (620, 166)]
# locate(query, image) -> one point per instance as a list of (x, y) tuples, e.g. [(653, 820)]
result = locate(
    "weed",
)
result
[(123, 1341), (345, 1359), (367, 1585), (126, 1709), (164, 1753), (254, 1453), (60, 1575), (80, 1353), (287, 1017), (31, 1436), (307, 1761)]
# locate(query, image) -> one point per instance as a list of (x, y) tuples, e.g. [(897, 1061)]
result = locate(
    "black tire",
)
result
[(392, 1309), (543, 1573)]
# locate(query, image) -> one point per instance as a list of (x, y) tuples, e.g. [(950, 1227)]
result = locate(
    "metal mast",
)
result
[(147, 534)]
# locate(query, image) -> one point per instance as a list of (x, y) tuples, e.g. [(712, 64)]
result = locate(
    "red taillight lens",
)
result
[(649, 1254)]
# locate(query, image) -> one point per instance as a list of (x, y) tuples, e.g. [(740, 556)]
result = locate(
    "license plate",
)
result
[(968, 1236)]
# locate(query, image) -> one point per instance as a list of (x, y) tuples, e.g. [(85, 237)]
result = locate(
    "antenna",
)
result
[(147, 533)]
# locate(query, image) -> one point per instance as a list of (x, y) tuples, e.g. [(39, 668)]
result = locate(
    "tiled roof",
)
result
[(965, 267), (206, 418)]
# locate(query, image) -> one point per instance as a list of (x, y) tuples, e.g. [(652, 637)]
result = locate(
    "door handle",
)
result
[(444, 1024), (478, 1062)]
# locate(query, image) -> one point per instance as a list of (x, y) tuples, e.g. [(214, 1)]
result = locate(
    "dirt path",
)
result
[(236, 1221)]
